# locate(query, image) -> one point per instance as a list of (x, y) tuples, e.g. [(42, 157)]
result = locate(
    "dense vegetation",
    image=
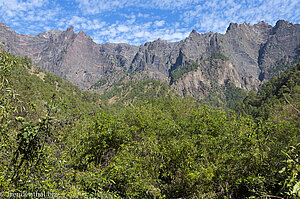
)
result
[(178, 73), (56, 138), (99, 83), (134, 91), (279, 95), (217, 55), (224, 97)]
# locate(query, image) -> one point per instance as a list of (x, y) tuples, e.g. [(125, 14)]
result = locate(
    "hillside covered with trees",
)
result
[(56, 138)]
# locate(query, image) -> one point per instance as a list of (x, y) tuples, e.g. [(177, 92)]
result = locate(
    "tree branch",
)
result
[(291, 105)]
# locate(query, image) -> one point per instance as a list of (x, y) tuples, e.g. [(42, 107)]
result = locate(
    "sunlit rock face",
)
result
[(254, 53)]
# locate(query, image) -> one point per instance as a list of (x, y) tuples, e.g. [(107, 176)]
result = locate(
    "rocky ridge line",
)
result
[(255, 53)]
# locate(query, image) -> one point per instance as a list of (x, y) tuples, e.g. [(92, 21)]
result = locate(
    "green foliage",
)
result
[(32, 157), (224, 97), (136, 91), (178, 73), (234, 95), (279, 93), (150, 144), (7, 62), (40, 88), (217, 55), (99, 83), (290, 171)]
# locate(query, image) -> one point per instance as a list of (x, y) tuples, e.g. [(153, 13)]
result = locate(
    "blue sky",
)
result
[(139, 21)]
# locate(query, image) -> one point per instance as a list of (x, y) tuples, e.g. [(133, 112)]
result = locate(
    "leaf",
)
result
[(282, 170), (296, 189), (20, 118)]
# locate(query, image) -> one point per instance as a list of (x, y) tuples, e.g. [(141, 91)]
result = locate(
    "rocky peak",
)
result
[(193, 33), (83, 37), (232, 26), (82, 34), (49, 34), (281, 26), (235, 28), (283, 23), (263, 28), (262, 24), (3, 25), (70, 29), (280, 50), (245, 25), (251, 50), (5, 29), (156, 44)]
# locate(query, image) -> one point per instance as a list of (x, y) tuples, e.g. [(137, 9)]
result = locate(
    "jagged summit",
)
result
[(83, 35), (283, 23), (232, 26), (71, 28), (253, 54), (259, 25), (194, 32)]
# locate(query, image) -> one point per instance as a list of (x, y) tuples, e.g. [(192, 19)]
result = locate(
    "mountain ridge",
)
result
[(255, 54)]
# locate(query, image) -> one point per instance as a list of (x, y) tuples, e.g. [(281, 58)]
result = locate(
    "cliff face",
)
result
[(280, 50), (245, 56), (72, 56), (210, 73)]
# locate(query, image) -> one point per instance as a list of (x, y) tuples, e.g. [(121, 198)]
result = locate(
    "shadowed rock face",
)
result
[(256, 53), (281, 48)]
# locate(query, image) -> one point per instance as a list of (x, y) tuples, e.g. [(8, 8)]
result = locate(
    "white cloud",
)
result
[(99, 6), (123, 28), (159, 23), (138, 21), (28, 17), (143, 15), (172, 4), (80, 23), (40, 15), (209, 16), (139, 33), (12, 8), (215, 15)]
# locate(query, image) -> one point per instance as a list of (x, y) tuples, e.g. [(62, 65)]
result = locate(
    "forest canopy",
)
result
[(56, 138)]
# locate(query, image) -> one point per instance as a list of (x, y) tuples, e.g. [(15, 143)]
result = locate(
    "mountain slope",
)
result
[(277, 99), (255, 53), (54, 138), (35, 89)]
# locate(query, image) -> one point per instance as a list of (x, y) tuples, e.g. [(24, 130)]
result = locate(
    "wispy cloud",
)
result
[(19, 5), (139, 33), (159, 23), (215, 15), (204, 16), (138, 21), (29, 16), (98, 6), (12, 8)]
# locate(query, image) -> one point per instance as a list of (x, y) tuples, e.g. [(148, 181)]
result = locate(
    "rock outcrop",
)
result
[(246, 55)]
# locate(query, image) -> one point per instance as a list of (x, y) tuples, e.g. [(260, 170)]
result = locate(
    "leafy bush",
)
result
[(60, 141)]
